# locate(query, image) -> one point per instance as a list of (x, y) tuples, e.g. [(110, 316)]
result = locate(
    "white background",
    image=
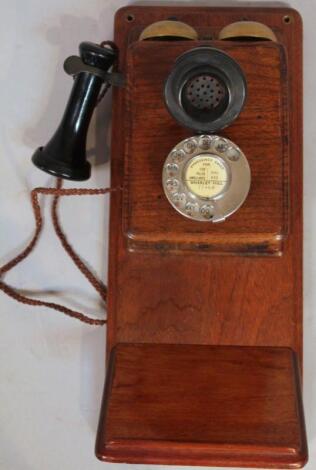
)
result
[(52, 367)]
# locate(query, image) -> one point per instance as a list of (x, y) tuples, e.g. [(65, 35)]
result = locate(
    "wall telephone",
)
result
[(204, 337)]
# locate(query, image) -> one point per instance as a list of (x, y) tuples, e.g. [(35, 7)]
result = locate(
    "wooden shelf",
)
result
[(202, 405)]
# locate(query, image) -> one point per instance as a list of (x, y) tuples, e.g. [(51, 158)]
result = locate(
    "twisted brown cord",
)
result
[(98, 285)]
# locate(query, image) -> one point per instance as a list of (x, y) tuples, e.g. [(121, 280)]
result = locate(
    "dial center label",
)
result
[(206, 175)]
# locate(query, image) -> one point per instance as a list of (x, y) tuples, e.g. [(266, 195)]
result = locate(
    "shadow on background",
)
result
[(67, 37)]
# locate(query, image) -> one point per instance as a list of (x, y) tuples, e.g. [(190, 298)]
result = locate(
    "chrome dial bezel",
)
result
[(206, 209)]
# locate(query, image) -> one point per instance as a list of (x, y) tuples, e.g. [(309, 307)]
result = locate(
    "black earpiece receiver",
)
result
[(206, 89), (65, 154)]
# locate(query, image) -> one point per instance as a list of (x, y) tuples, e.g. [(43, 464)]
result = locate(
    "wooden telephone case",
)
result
[(204, 338)]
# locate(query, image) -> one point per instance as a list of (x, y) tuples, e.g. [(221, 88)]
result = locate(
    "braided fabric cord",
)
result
[(96, 283)]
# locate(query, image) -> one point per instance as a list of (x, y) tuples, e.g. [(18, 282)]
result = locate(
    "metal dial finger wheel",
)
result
[(206, 178)]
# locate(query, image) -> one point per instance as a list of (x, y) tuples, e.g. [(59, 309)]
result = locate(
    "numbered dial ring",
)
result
[(206, 178)]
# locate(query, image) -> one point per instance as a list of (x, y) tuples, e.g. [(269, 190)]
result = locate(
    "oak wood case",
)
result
[(175, 281), (201, 297), (260, 225)]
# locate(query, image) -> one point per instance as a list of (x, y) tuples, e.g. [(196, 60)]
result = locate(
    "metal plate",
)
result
[(204, 91), (167, 30), (206, 178)]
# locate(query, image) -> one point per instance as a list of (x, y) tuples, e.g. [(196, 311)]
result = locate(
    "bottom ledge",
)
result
[(202, 405)]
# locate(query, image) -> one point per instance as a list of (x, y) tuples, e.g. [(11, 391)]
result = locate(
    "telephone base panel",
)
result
[(202, 405), (188, 290)]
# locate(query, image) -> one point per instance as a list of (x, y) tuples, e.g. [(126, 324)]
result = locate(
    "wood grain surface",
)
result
[(260, 225), (169, 282), (203, 405), (199, 297)]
